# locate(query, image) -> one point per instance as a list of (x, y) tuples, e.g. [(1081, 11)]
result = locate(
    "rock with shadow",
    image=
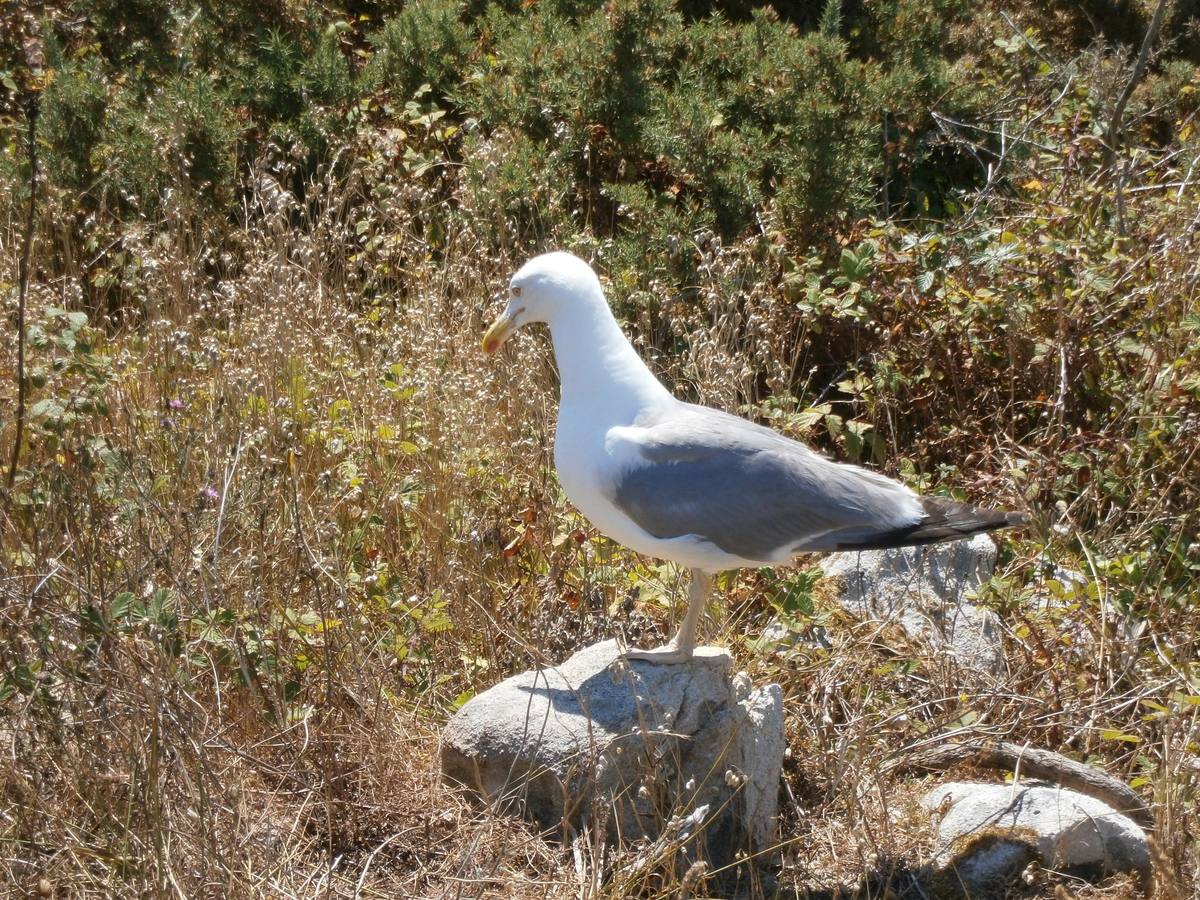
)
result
[(925, 590), (688, 751), (987, 833)]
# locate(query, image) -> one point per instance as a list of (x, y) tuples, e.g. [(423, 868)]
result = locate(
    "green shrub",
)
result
[(770, 113), (327, 77), (182, 136), (734, 117), (72, 120), (425, 43), (133, 33), (299, 94), (1175, 90), (515, 191)]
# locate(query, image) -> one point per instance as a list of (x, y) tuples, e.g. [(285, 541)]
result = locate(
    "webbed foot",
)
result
[(663, 656)]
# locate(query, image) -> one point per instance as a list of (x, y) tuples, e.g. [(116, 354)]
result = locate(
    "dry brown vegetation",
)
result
[(337, 519), (277, 517)]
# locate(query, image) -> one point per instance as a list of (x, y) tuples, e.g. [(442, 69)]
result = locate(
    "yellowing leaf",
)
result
[(1112, 735)]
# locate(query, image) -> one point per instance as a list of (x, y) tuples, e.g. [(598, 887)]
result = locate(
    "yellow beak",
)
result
[(500, 331)]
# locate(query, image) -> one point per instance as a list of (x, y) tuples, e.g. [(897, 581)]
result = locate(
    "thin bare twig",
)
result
[(1114, 124), (31, 114)]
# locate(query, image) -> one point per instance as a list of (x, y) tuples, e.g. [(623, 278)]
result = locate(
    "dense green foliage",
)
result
[(650, 117), (267, 511)]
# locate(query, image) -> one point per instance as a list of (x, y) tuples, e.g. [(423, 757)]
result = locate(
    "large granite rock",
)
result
[(982, 827), (645, 748), (923, 590)]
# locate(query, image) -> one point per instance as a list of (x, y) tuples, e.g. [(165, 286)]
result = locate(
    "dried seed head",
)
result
[(694, 876)]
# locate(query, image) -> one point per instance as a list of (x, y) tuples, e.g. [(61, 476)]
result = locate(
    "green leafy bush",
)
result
[(73, 118), (425, 43), (182, 135)]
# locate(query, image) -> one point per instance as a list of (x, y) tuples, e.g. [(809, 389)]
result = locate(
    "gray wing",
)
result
[(751, 492)]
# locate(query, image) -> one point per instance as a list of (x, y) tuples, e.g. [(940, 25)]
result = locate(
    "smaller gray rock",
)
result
[(1069, 830), (923, 590), (638, 745)]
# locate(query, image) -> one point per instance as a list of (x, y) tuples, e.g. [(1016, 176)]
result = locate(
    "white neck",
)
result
[(598, 366)]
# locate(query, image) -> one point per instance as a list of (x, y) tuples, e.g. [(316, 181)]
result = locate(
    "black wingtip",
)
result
[(945, 520)]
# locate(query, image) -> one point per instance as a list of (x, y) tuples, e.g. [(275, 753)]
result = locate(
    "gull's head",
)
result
[(541, 291)]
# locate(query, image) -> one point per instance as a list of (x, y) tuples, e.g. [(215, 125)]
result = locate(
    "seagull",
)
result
[(699, 487)]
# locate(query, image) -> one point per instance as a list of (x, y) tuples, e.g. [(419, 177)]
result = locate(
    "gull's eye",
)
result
[(516, 292)]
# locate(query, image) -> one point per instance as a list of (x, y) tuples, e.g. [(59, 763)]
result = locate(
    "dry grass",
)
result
[(276, 731), (242, 595)]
